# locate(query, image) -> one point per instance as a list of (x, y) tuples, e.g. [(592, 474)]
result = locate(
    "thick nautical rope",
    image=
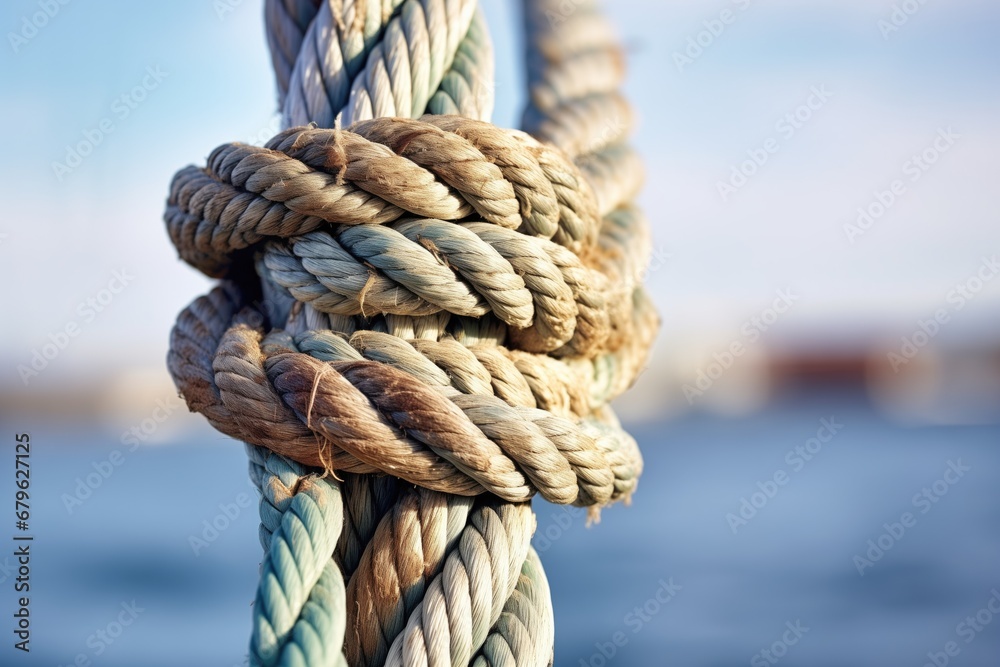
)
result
[(421, 322)]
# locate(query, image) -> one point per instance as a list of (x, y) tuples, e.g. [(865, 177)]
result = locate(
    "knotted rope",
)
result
[(421, 320)]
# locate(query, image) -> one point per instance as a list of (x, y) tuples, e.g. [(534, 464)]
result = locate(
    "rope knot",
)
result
[(420, 322)]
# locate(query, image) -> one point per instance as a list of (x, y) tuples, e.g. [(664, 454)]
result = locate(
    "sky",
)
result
[(156, 86)]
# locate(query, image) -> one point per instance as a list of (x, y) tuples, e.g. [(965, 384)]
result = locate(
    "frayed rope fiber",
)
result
[(420, 321)]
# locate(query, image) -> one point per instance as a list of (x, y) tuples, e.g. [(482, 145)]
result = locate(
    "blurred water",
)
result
[(733, 593), (793, 560)]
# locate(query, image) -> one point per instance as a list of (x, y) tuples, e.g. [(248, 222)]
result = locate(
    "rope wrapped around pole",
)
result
[(420, 321)]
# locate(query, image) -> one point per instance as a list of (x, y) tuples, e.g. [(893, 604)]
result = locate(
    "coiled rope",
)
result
[(420, 322)]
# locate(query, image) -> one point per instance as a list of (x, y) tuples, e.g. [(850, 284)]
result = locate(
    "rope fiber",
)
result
[(420, 322)]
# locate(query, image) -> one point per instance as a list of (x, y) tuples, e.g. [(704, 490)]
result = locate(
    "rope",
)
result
[(525, 631), (301, 587), (389, 582), (421, 320), (470, 593)]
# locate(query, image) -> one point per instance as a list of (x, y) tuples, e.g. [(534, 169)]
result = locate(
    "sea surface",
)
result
[(680, 577)]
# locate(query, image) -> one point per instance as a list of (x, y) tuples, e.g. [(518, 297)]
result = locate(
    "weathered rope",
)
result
[(301, 586), (366, 59), (389, 582), (524, 633), (444, 168), (398, 412), (477, 579), (421, 322)]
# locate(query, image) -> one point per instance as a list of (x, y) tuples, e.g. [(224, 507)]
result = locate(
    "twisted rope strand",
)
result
[(466, 599), (334, 48), (407, 550), (524, 633), (300, 585), (406, 67)]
